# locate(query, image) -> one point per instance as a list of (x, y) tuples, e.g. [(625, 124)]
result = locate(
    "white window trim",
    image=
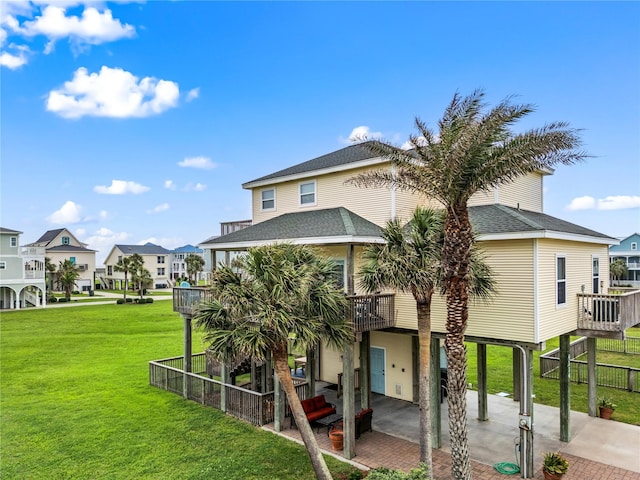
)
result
[(315, 193), (561, 305), (262, 209), (3, 265), (343, 262), (593, 274), (634, 245), (13, 241)]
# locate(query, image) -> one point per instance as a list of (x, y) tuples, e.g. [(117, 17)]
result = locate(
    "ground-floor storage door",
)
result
[(377, 370)]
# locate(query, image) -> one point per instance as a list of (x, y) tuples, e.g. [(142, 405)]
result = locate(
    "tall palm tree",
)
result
[(275, 295), (410, 261), (68, 273), (195, 264), (128, 264), (618, 269), (473, 150)]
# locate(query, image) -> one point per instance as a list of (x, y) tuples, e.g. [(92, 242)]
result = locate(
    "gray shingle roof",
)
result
[(333, 222), (350, 154), (8, 230), (49, 235), (68, 248), (496, 219), (146, 249)]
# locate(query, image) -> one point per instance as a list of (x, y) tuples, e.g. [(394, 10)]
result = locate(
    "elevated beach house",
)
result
[(22, 272)]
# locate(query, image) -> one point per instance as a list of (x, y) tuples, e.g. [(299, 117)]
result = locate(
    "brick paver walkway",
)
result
[(376, 449)]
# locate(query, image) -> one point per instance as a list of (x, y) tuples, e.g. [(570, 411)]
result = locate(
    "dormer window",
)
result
[(308, 193), (65, 241), (268, 198)]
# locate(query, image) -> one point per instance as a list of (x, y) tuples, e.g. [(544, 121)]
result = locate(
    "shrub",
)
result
[(120, 301), (129, 300), (555, 463), (149, 300), (62, 300), (383, 473), (52, 300)]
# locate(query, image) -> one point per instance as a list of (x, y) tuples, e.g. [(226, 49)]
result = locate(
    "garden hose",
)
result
[(508, 468)]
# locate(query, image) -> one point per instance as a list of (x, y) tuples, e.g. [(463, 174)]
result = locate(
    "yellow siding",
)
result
[(559, 319), (331, 362), (398, 363), (524, 191)]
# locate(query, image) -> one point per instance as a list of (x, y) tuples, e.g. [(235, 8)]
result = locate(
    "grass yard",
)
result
[(75, 403), (547, 390)]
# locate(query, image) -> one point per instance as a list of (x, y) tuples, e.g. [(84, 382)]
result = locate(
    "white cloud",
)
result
[(12, 61), (114, 93), (361, 134), (420, 141), (616, 202), (193, 94), (93, 28), (159, 208), (103, 214), (103, 240), (121, 187), (202, 163), (198, 187), (70, 212), (166, 242), (169, 185)]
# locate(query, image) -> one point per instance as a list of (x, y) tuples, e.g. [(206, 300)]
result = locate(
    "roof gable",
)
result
[(146, 249)]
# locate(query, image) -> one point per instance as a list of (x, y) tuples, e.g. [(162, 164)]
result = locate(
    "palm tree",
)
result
[(275, 295), (68, 273), (141, 277), (50, 271), (128, 264), (473, 150), (410, 261), (195, 264), (618, 269)]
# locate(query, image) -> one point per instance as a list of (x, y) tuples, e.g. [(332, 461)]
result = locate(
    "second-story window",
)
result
[(109, 270), (268, 199), (65, 241), (308, 193), (3, 265), (160, 259), (14, 241), (73, 260), (634, 246), (161, 271), (561, 280)]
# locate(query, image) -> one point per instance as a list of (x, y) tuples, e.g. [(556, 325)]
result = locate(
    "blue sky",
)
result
[(136, 122)]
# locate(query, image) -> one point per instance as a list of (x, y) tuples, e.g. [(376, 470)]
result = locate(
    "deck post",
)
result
[(348, 402), (365, 370), (483, 409), (187, 355), (526, 414), (565, 382), (310, 372), (278, 405), (592, 380), (224, 378), (435, 399), (516, 374)]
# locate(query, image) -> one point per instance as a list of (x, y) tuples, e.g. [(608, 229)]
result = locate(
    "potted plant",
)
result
[(554, 466), (606, 407), (336, 435)]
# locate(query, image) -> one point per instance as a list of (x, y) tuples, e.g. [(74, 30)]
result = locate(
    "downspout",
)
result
[(525, 422), (393, 192)]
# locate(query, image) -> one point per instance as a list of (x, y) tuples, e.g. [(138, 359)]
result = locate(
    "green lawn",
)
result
[(547, 390), (75, 403)]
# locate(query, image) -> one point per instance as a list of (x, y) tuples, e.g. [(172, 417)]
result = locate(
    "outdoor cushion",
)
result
[(319, 402), (308, 405)]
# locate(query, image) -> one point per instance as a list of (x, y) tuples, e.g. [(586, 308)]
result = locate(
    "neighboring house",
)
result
[(179, 265), (22, 272), (629, 251), (157, 260), (61, 245), (210, 258), (552, 275)]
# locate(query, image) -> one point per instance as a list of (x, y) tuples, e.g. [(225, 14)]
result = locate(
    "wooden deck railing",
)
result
[(367, 312), (356, 382), (609, 313), (253, 407)]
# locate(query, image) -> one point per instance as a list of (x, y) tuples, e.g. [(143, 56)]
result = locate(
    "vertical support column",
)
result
[(348, 405), (592, 381), (565, 382), (526, 415), (279, 399), (224, 378), (415, 368), (187, 355), (483, 409), (365, 370), (517, 371), (436, 394), (310, 372)]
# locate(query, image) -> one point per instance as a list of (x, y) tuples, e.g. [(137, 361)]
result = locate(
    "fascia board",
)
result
[(296, 241), (313, 173), (572, 237)]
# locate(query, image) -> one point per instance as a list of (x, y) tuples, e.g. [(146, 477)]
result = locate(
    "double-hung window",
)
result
[(308, 193), (268, 199), (561, 280), (14, 241), (595, 270), (3, 265)]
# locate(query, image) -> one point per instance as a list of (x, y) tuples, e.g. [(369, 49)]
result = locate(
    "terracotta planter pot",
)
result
[(606, 412), (337, 439), (551, 476)]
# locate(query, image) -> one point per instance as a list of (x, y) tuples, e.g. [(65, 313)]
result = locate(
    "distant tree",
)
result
[(195, 264), (50, 272), (618, 269), (128, 264), (142, 278), (68, 273)]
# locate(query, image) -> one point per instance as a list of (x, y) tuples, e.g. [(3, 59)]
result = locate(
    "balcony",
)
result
[(32, 251), (607, 315), (366, 312)]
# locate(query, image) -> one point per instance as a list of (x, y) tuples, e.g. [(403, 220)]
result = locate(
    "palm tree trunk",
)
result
[(126, 282), (456, 254), (281, 366), (424, 382)]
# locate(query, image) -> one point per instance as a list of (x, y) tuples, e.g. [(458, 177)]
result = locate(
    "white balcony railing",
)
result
[(33, 274), (32, 251)]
